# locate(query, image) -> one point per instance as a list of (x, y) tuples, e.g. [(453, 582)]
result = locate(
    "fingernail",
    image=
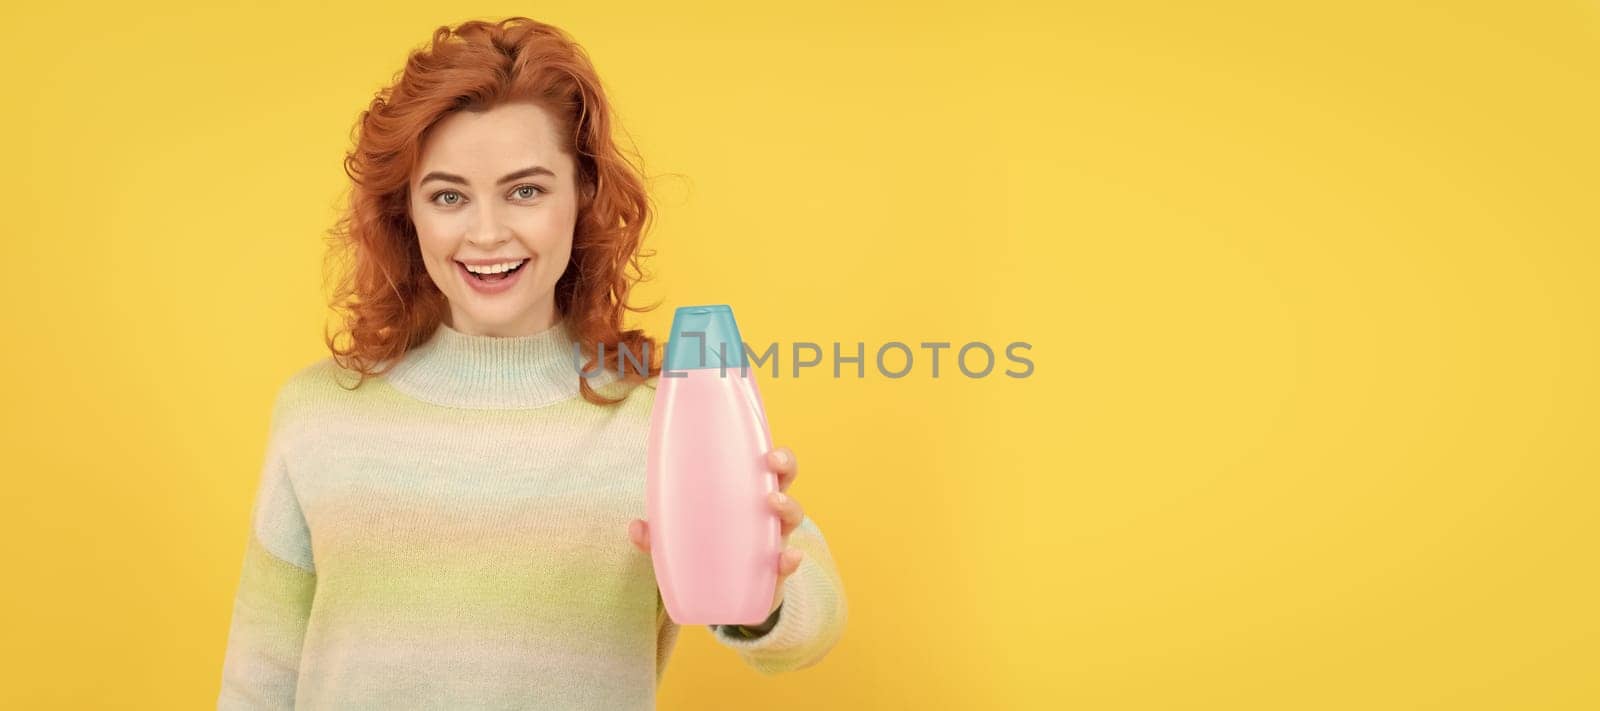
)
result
[(783, 458), (779, 498)]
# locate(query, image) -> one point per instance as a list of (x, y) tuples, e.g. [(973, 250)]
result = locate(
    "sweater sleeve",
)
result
[(811, 618), (272, 603)]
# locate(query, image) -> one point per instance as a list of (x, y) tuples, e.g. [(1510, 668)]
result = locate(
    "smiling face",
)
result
[(496, 190)]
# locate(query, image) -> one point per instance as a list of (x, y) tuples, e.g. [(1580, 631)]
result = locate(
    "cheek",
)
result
[(551, 233), (558, 251), (433, 236), (437, 249), (430, 244), (425, 221)]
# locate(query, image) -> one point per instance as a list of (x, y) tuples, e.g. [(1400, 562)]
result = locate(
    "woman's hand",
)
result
[(790, 514)]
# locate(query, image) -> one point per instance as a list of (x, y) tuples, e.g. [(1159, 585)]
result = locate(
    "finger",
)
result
[(789, 562), (639, 533), (789, 511), (783, 463)]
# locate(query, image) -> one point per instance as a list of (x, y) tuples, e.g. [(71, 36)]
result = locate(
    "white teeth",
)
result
[(493, 268)]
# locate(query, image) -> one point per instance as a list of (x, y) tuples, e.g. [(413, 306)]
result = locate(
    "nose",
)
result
[(489, 232)]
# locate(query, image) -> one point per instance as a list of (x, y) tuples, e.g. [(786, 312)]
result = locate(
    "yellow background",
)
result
[(1310, 291)]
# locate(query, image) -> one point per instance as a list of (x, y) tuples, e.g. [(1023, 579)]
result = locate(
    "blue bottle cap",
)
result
[(704, 337)]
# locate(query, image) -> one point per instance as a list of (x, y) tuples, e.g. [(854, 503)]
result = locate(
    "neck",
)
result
[(474, 371), (537, 320)]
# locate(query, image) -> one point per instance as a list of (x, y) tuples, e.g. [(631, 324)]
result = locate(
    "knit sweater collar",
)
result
[(457, 369)]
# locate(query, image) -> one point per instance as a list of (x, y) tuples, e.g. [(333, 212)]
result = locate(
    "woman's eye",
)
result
[(452, 198)]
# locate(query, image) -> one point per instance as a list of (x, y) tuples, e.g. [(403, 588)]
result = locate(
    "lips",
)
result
[(498, 275), (493, 284)]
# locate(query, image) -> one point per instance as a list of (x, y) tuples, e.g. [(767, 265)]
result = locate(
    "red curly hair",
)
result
[(390, 304)]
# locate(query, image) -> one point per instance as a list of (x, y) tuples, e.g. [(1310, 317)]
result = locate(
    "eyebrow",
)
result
[(453, 178)]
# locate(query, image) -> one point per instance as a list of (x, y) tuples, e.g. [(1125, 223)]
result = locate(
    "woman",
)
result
[(457, 528)]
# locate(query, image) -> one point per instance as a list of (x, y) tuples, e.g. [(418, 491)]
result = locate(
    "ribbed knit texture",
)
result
[(454, 535)]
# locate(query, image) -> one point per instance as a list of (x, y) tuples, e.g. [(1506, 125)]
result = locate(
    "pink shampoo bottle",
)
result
[(714, 540)]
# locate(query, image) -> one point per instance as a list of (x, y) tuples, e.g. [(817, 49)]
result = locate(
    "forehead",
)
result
[(486, 143)]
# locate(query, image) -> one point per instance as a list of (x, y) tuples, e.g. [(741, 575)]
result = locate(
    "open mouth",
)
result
[(489, 278)]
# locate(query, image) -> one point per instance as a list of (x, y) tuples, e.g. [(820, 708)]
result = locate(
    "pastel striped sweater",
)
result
[(454, 535)]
